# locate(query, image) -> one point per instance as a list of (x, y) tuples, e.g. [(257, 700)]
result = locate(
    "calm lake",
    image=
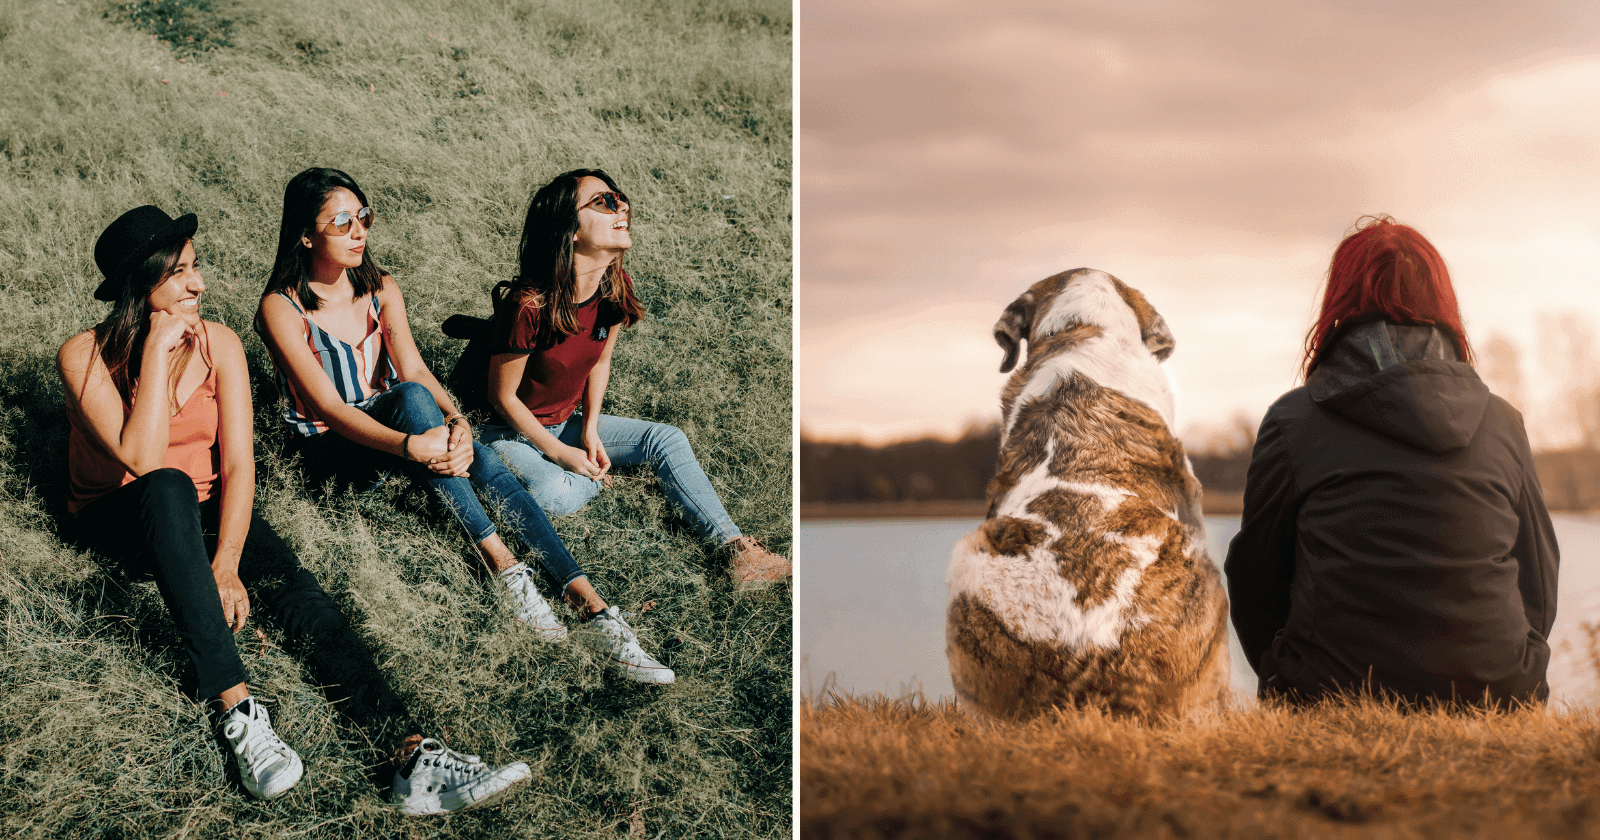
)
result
[(873, 600)]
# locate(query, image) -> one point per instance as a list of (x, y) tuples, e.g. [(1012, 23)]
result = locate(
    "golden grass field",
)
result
[(907, 768)]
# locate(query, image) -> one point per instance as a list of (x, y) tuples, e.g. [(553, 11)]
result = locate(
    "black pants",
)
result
[(155, 525)]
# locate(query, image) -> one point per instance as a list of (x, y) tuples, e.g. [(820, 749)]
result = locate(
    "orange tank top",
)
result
[(191, 447)]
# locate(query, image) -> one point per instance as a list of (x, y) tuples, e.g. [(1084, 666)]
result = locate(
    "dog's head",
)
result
[(1081, 296)]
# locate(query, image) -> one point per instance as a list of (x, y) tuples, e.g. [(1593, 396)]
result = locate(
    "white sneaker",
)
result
[(613, 637), (532, 609), (266, 764), (436, 780)]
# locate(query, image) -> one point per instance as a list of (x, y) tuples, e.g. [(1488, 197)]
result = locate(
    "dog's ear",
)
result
[(1012, 328), (1153, 329), (1158, 337)]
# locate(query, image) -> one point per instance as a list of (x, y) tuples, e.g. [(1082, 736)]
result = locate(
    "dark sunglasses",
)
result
[(609, 203), (341, 222)]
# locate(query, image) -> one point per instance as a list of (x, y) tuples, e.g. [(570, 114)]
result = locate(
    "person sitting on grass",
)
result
[(1394, 535), (555, 327), (360, 402), (162, 481)]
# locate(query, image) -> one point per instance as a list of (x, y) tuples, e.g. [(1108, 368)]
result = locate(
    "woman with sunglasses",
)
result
[(555, 327), (162, 480), (360, 402)]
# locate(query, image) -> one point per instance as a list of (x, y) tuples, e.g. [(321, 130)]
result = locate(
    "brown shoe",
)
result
[(754, 567)]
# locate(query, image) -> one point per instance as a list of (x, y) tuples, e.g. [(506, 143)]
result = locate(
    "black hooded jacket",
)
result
[(1394, 533)]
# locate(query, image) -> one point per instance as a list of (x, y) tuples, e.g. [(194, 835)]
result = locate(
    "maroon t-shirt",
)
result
[(558, 365)]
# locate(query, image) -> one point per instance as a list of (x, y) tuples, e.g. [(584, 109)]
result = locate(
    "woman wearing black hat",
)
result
[(163, 480)]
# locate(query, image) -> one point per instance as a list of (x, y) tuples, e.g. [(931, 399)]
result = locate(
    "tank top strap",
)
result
[(292, 302)]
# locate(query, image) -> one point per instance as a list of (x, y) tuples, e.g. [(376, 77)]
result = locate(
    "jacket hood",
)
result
[(1403, 381)]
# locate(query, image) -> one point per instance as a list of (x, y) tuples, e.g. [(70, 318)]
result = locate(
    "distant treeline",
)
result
[(931, 469)]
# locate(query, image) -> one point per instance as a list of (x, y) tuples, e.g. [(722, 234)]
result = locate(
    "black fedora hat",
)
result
[(131, 239)]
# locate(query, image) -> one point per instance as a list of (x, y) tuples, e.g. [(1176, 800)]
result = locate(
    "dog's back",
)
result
[(1089, 583)]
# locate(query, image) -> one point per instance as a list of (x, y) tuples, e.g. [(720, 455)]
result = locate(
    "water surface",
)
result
[(873, 599)]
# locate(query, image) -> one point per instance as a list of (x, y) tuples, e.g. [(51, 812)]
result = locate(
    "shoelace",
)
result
[(608, 621), (458, 767), (259, 743)]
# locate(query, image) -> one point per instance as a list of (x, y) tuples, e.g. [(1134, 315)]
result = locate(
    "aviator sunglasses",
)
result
[(609, 203), (341, 222)]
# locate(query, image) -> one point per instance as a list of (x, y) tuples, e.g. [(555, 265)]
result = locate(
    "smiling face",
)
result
[(178, 293), (597, 229), (327, 244)]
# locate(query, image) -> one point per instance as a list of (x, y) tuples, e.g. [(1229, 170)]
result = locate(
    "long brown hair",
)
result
[(120, 337), (548, 278), (1389, 270), (302, 201)]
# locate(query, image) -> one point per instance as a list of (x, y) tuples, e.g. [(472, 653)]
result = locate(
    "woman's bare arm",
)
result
[(236, 485), (594, 394), (137, 438)]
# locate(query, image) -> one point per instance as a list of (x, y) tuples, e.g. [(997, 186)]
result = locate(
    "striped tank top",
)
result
[(359, 372)]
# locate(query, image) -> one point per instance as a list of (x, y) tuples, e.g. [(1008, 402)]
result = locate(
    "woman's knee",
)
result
[(408, 407), (665, 444), (558, 493), (417, 399), (169, 486), (168, 497)]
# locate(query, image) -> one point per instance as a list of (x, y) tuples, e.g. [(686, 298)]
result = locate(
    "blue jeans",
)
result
[(409, 407), (629, 443)]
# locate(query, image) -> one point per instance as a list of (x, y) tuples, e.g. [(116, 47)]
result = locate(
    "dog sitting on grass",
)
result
[(1089, 584)]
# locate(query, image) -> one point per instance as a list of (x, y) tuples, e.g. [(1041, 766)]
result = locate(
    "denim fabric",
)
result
[(630, 443), (154, 525), (409, 407)]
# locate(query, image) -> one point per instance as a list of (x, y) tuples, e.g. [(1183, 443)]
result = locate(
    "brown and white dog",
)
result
[(1089, 584)]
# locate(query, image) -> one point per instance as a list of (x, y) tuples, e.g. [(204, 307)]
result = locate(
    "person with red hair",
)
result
[(1394, 536)]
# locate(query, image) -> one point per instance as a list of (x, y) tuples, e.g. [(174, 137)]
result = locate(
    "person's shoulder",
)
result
[(77, 351), (524, 300), (223, 337), (388, 292), (278, 302), (1293, 402)]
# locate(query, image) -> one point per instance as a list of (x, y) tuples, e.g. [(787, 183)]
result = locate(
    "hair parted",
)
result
[(547, 277), (1385, 269), (302, 201), (120, 337)]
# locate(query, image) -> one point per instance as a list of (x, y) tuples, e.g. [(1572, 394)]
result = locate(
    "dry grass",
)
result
[(909, 769), (449, 114)]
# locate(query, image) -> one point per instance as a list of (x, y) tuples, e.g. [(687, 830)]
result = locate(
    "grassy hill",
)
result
[(449, 114)]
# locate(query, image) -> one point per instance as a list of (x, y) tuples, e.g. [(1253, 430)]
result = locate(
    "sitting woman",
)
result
[(361, 402), (162, 481), (553, 335), (1394, 536)]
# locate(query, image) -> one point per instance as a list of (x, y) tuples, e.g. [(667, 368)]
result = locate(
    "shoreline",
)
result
[(1215, 504)]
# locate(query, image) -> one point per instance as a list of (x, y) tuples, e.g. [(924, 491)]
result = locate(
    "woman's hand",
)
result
[(575, 460), (168, 332), (235, 601), (596, 450), (460, 450), (430, 446)]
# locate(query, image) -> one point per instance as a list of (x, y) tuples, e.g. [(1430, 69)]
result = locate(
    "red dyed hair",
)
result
[(1387, 269)]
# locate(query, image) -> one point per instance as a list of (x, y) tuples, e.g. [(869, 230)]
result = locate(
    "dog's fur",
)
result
[(1090, 582)]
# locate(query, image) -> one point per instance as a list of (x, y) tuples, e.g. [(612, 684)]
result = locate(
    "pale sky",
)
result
[(1209, 154)]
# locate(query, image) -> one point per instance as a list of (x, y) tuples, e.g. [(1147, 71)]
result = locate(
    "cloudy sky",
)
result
[(1210, 154)]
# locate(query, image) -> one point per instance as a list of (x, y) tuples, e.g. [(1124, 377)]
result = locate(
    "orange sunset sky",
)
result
[(1210, 155)]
